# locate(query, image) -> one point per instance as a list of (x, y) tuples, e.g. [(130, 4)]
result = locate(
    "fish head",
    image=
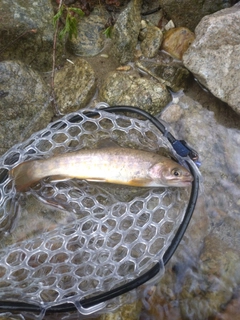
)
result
[(171, 174)]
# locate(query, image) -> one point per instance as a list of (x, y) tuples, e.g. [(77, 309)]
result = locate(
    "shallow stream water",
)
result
[(202, 279)]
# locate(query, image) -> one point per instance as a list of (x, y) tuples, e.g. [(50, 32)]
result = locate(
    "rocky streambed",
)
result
[(188, 77)]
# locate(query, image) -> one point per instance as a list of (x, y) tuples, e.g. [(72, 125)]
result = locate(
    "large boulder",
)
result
[(75, 85), (26, 32), (123, 88), (214, 56), (125, 32), (188, 13), (24, 103)]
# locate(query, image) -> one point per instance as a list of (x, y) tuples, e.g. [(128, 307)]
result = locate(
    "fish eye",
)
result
[(176, 172)]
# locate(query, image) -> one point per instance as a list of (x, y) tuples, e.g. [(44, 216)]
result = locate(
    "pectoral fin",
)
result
[(96, 180), (64, 178), (58, 178), (140, 183)]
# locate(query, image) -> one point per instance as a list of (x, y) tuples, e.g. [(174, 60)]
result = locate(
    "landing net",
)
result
[(117, 234)]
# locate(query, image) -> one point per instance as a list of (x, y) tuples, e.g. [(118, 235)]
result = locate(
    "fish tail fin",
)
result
[(23, 176)]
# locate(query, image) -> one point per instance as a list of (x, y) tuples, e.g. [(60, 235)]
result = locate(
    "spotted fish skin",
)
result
[(111, 165)]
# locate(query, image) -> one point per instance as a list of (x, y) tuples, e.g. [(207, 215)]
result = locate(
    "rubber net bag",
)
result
[(117, 233)]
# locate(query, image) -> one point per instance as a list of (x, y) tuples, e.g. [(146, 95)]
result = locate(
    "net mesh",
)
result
[(118, 233)]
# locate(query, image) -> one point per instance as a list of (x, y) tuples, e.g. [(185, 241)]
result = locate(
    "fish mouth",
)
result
[(182, 183), (187, 179), (188, 182)]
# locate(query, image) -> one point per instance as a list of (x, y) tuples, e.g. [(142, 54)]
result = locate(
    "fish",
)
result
[(118, 165)]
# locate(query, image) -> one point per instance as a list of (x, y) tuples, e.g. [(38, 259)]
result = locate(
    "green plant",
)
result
[(108, 31), (67, 14), (70, 24)]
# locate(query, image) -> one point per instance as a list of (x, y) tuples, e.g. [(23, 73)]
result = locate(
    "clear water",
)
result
[(202, 279)]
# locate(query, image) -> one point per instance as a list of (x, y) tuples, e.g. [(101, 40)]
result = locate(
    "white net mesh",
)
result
[(118, 233)]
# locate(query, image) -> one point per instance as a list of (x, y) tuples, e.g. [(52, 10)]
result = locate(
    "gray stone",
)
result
[(24, 103), (126, 312), (90, 39), (26, 32), (219, 271), (156, 16), (74, 86), (152, 42), (214, 57), (122, 88), (125, 32), (233, 155), (173, 75), (188, 13)]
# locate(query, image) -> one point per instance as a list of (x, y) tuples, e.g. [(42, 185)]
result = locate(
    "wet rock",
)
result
[(155, 14), (143, 31), (227, 231), (75, 85), (151, 42), (232, 155), (90, 39), (219, 265), (24, 103), (173, 75), (214, 56), (176, 41), (126, 312), (203, 274), (125, 32), (159, 307), (197, 126), (122, 88), (188, 12), (172, 114), (26, 32), (232, 310)]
